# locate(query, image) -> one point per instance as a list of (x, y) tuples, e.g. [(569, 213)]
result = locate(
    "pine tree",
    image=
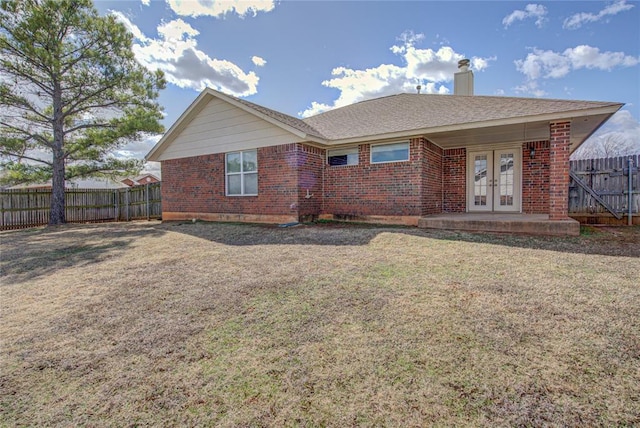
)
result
[(71, 92)]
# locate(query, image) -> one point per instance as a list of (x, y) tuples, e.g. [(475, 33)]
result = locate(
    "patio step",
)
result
[(529, 224)]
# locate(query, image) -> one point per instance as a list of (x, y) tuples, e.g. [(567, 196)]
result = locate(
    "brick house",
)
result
[(140, 180), (394, 159)]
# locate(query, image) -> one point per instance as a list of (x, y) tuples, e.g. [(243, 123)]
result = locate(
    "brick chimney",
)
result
[(463, 79)]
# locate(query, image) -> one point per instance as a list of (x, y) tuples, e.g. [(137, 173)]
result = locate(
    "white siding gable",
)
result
[(221, 127)]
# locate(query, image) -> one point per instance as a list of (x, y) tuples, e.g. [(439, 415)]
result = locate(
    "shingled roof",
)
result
[(447, 120), (407, 112)]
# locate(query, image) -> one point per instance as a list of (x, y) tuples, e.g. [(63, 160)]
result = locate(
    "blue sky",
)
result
[(303, 57)]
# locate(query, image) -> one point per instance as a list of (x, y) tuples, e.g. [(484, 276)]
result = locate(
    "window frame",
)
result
[(407, 143), (345, 151), (241, 173)]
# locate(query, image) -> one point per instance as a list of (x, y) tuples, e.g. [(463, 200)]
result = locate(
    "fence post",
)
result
[(146, 187), (127, 203), (116, 196)]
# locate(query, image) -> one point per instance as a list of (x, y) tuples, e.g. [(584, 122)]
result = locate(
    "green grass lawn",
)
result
[(319, 325)]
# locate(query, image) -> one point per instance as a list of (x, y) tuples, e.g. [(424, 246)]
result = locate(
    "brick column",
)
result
[(560, 134)]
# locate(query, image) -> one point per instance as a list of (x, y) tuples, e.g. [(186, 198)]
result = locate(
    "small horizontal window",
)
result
[(343, 157), (396, 152)]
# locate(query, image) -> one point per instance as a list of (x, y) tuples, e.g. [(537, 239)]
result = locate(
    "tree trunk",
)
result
[(57, 214)]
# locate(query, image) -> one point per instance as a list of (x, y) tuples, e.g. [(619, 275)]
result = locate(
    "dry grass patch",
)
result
[(327, 325)]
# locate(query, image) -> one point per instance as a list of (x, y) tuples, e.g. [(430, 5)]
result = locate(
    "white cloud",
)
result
[(426, 67), (534, 11), (138, 149), (577, 20), (619, 136), (175, 52), (145, 2), (218, 8), (531, 87), (133, 29), (549, 64), (260, 62)]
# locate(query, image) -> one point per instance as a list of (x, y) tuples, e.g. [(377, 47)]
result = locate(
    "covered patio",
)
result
[(534, 224)]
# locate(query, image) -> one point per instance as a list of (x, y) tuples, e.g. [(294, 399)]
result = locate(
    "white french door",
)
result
[(493, 180)]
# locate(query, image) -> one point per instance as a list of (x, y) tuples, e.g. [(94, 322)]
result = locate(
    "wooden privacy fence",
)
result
[(601, 190), (20, 208)]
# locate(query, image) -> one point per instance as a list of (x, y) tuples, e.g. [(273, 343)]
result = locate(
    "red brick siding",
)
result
[(559, 170), (454, 181), (535, 178), (375, 189), (192, 184), (197, 184), (311, 161), (431, 178)]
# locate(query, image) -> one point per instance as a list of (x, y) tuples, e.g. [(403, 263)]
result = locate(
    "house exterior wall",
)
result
[(535, 178), (454, 182), (295, 183), (383, 189), (196, 186), (310, 162)]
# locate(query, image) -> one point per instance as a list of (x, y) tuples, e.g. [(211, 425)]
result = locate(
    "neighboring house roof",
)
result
[(141, 179), (144, 176), (447, 120)]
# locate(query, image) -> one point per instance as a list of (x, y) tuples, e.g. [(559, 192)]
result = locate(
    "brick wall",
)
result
[(560, 133), (432, 181), (454, 179), (192, 184), (431, 178), (386, 189), (311, 162), (197, 184), (535, 178)]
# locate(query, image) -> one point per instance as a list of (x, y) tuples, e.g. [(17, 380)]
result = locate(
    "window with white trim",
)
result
[(341, 157), (396, 152), (242, 173)]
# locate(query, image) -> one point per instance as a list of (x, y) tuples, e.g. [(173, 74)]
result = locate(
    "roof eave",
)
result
[(550, 117), (577, 145)]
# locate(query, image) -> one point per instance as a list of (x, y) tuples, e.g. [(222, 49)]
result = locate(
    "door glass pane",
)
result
[(480, 180), (506, 177)]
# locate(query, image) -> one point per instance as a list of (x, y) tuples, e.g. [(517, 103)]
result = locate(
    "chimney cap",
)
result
[(464, 63)]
